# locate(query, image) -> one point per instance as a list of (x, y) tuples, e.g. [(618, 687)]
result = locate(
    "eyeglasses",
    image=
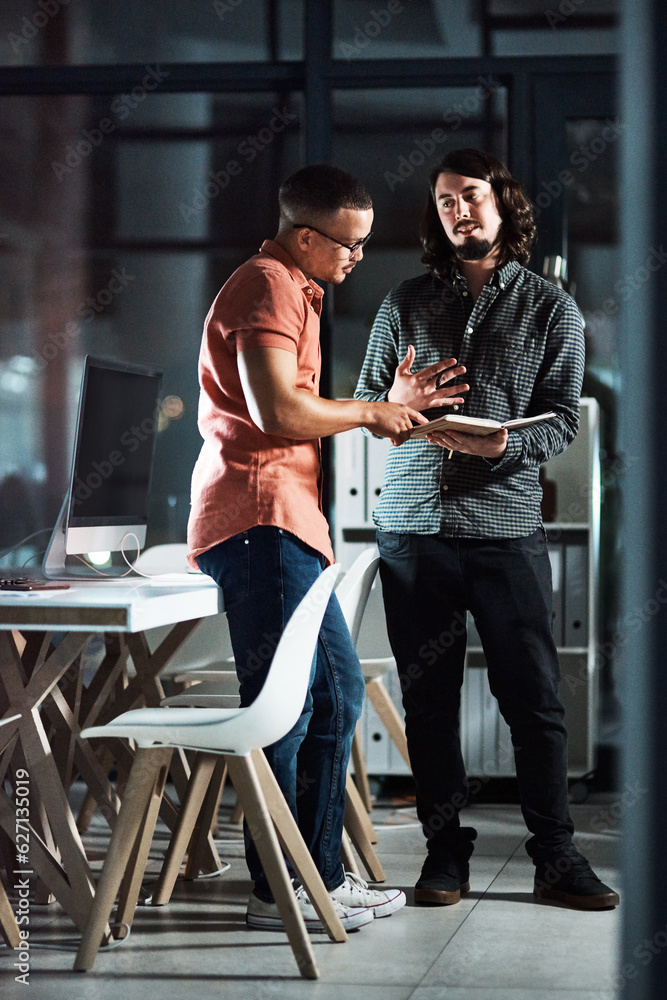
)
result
[(352, 247)]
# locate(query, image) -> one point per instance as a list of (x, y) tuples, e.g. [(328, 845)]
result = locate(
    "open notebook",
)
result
[(475, 425)]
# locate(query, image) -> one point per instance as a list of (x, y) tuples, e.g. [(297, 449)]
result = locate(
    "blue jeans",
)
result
[(428, 583), (264, 573)]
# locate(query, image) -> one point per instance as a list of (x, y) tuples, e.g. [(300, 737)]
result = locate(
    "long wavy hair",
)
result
[(517, 229)]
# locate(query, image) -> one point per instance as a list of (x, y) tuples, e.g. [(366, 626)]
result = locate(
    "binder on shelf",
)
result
[(351, 479), (378, 449), (575, 592), (555, 550)]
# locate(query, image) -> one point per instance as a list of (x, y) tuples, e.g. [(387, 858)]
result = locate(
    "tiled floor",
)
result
[(497, 944)]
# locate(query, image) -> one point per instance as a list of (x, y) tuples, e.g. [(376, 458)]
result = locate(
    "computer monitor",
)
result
[(107, 500)]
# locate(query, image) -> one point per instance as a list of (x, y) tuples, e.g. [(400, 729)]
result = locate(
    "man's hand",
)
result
[(279, 407), (489, 446), (392, 420), (428, 387)]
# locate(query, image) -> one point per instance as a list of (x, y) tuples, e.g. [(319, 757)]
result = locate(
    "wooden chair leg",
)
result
[(360, 772), (243, 774), (295, 848), (357, 803), (148, 774), (355, 824), (206, 821), (215, 826), (131, 884), (389, 715), (237, 814), (200, 778), (8, 926), (347, 857)]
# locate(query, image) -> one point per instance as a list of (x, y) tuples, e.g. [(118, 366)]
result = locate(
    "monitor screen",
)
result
[(113, 455)]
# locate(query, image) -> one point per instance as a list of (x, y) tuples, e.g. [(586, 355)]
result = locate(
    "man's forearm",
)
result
[(280, 407), (303, 416)]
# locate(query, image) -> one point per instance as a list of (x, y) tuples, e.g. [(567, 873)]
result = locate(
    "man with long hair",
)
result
[(459, 521)]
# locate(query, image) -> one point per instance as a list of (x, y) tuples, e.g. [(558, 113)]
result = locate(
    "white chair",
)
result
[(374, 669), (215, 689), (209, 646), (238, 733), (353, 592)]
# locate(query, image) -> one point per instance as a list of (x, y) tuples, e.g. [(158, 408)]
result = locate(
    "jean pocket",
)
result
[(392, 543), (229, 565)]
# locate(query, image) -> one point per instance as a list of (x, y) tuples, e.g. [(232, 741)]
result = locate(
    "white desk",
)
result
[(125, 605), (42, 683)]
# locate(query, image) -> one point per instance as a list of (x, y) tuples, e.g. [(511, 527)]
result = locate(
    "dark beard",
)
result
[(474, 249)]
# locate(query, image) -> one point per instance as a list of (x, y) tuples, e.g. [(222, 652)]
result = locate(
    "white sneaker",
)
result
[(265, 916), (355, 892)]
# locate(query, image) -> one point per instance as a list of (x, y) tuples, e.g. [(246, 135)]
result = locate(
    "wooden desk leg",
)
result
[(46, 790)]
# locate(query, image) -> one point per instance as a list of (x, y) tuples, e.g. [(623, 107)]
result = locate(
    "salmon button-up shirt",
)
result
[(244, 477)]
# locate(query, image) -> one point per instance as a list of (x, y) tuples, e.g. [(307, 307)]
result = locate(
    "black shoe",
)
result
[(440, 883), (566, 877), (446, 874)]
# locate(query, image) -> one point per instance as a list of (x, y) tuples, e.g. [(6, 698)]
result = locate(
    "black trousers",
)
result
[(429, 582)]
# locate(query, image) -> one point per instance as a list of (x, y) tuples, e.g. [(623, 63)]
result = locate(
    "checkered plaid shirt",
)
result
[(522, 344)]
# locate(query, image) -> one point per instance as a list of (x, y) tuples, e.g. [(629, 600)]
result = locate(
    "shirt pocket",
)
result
[(509, 359)]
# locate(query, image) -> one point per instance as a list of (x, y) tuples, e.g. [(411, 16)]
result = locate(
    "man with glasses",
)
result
[(257, 526)]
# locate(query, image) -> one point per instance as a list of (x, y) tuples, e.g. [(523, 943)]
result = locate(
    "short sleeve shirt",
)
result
[(244, 477)]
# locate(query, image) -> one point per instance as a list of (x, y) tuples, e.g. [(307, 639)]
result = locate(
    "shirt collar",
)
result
[(499, 279), (276, 250), (505, 274)]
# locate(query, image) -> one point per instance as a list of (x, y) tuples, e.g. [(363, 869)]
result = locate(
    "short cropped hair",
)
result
[(318, 191), (517, 229)]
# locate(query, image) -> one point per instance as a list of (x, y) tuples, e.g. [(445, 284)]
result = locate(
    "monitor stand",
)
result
[(54, 564)]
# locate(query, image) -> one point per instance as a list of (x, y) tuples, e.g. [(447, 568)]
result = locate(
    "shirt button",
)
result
[(469, 329), (444, 487), (455, 406), (465, 293)]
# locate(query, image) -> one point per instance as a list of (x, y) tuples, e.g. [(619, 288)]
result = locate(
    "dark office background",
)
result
[(143, 145), (142, 148)]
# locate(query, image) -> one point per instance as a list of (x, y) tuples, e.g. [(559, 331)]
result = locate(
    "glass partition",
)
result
[(116, 232), (392, 139), (86, 32)]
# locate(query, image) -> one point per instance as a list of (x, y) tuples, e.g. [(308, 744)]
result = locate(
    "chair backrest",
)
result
[(209, 643), (281, 699), (353, 590), (168, 558)]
